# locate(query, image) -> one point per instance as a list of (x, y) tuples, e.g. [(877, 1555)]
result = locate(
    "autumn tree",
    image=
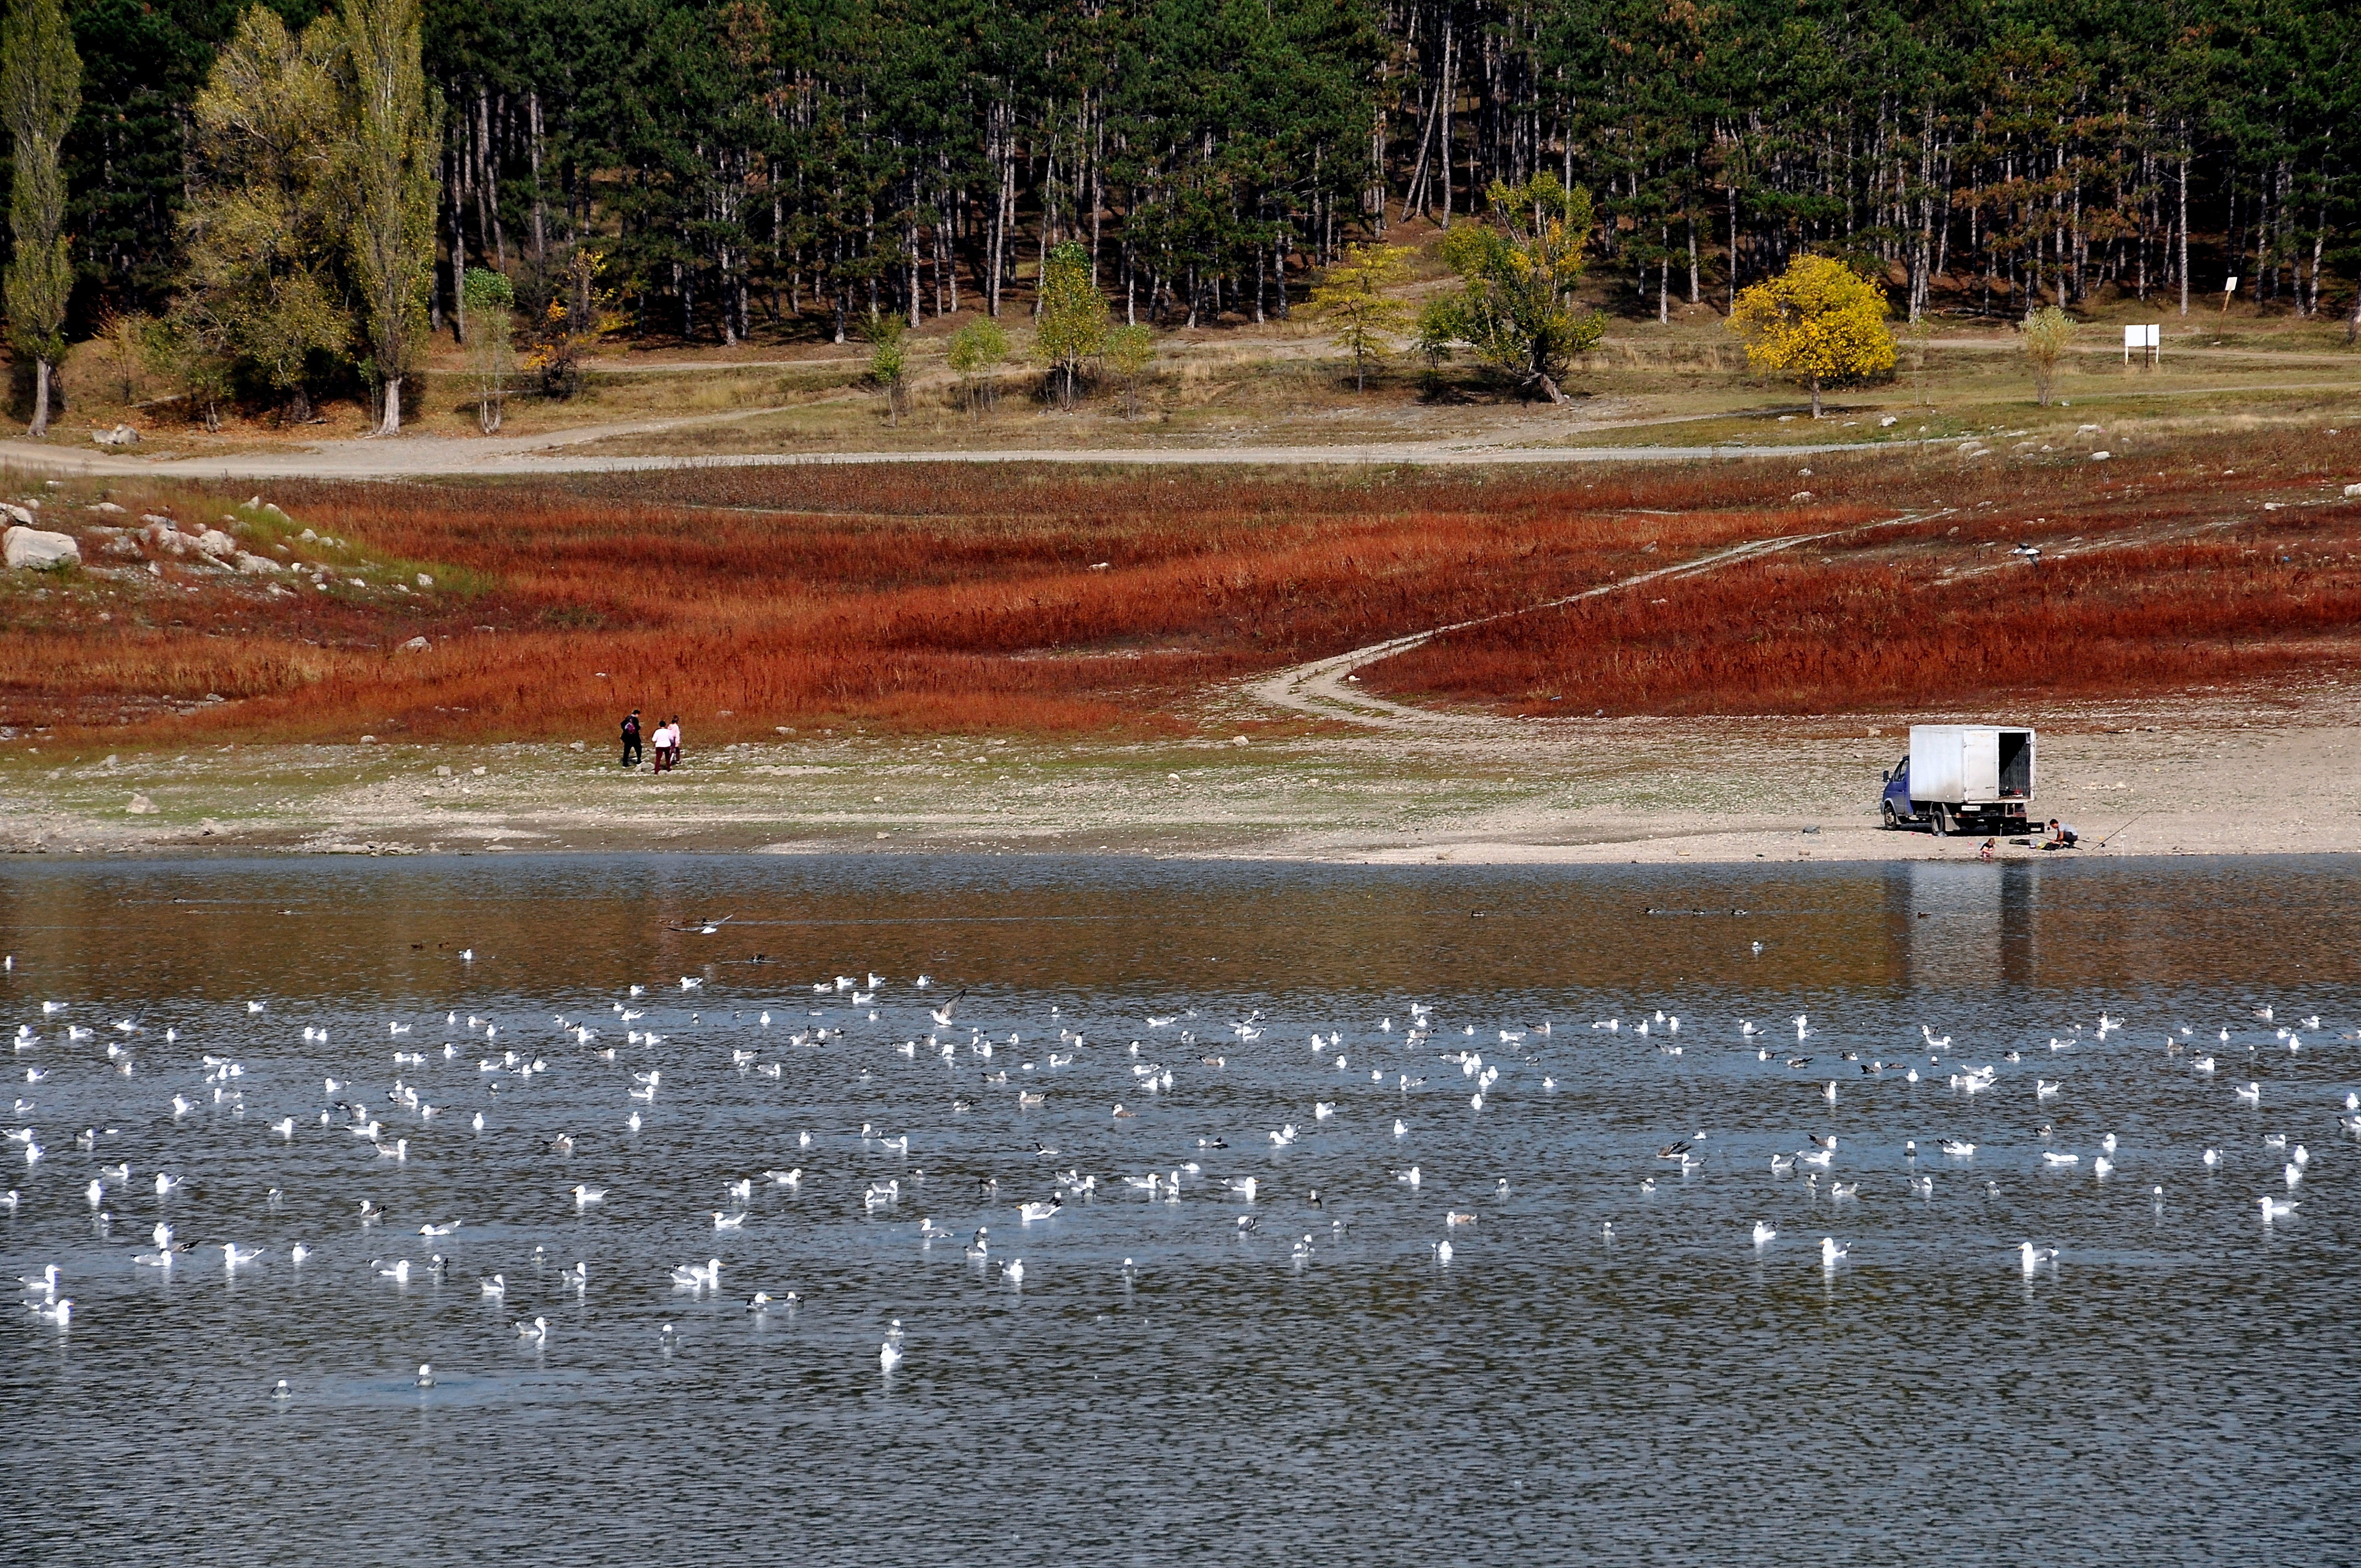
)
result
[(979, 349), (1350, 297), (122, 338), (1073, 321), (2048, 332), (490, 303), (41, 92), (1438, 330), (1818, 321), (889, 361), (1516, 305), (565, 312), (1130, 350)]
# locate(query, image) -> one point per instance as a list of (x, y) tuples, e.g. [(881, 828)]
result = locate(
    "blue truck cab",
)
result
[(1898, 806)]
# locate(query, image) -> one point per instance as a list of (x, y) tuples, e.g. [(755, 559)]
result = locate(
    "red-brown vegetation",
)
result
[(952, 598), (2210, 592), (925, 598)]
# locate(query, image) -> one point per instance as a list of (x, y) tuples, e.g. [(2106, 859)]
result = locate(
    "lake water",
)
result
[(2182, 1385)]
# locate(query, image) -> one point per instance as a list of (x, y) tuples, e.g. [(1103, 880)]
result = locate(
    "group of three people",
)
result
[(667, 742)]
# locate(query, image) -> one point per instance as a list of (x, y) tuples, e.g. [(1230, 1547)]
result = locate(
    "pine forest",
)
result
[(727, 170)]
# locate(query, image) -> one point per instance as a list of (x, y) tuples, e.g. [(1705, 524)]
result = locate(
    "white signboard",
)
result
[(2145, 340)]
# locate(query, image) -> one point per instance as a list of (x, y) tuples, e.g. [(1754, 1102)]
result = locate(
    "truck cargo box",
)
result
[(1970, 777)]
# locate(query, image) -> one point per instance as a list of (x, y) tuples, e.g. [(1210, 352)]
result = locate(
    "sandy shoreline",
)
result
[(2223, 775)]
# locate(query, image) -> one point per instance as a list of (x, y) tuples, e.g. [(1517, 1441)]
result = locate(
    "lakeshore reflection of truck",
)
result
[(1962, 778)]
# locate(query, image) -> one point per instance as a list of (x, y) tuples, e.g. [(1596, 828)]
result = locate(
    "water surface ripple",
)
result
[(2181, 1387)]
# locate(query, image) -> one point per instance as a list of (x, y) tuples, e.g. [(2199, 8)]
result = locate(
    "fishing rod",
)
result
[(2103, 843)]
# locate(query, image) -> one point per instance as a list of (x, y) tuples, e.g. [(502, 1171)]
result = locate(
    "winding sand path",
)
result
[(1320, 689)]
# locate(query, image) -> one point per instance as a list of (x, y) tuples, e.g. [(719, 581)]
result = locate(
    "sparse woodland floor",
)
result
[(1278, 383)]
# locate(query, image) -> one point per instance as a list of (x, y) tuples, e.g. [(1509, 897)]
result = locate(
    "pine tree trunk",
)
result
[(458, 259), (2319, 243), (539, 228), (1733, 246), (2184, 233)]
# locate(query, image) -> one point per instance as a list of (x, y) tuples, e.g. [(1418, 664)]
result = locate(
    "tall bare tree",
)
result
[(396, 144), (41, 92)]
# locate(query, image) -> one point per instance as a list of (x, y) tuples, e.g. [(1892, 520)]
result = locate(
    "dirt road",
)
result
[(420, 458)]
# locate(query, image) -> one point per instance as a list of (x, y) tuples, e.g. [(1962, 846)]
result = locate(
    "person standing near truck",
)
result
[(631, 739)]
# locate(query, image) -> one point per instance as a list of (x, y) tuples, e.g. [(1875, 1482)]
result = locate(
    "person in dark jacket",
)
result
[(631, 739)]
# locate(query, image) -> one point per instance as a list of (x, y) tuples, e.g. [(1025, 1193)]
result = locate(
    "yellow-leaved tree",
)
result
[(1818, 321), (1517, 309), (1350, 296)]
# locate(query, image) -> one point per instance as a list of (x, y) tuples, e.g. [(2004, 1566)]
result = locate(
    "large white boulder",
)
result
[(121, 435), (33, 549)]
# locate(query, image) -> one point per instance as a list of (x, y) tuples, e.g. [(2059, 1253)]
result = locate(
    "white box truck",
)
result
[(1962, 778)]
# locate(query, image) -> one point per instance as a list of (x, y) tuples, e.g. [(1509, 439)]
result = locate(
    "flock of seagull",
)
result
[(480, 1059)]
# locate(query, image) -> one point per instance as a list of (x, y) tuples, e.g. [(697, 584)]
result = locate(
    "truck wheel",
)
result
[(1885, 809), (1941, 819)]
